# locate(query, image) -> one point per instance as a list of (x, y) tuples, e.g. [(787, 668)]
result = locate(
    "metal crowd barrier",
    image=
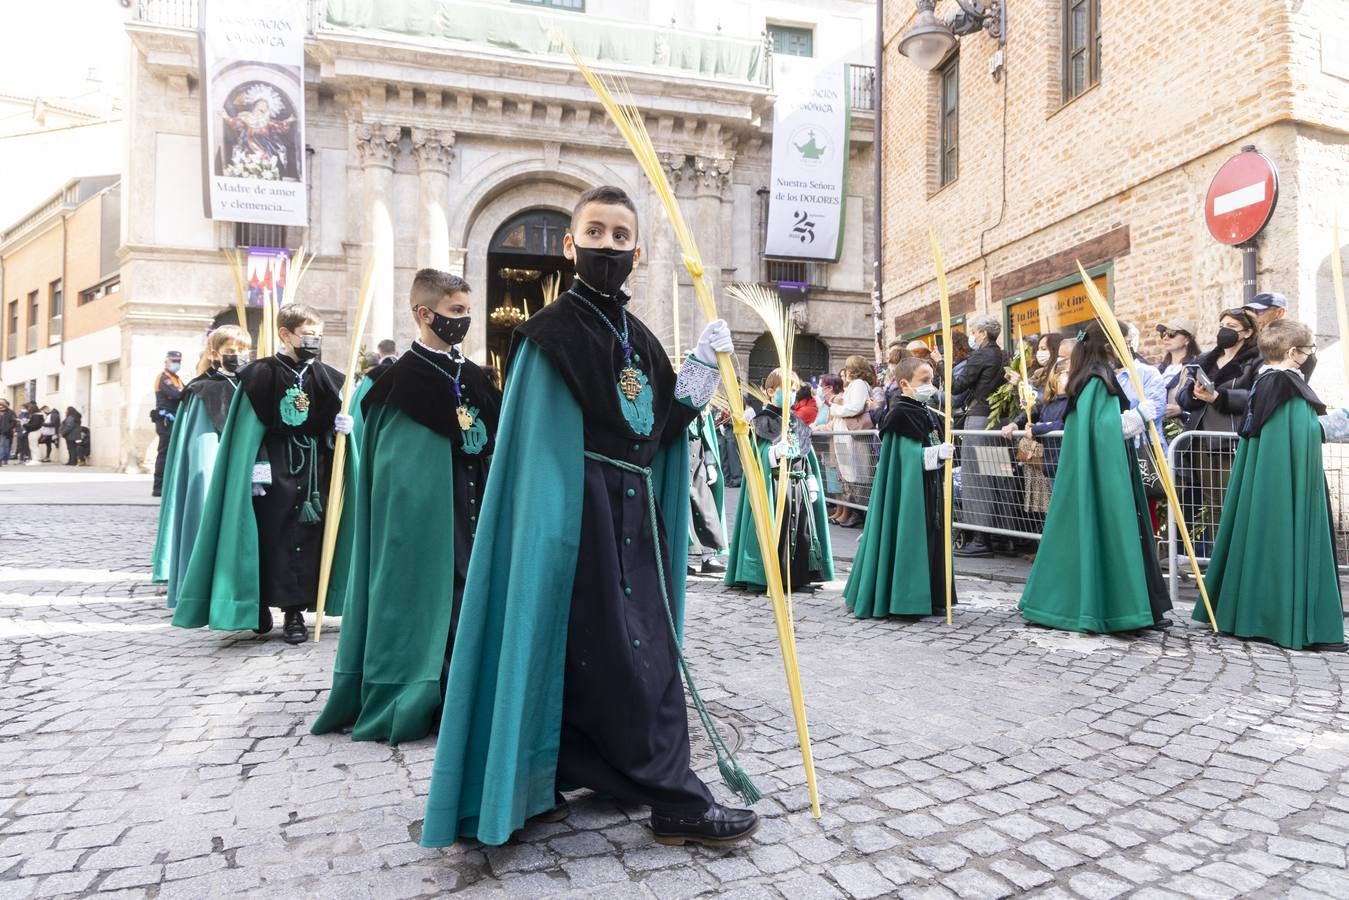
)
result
[(995, 494), (1201, 462)]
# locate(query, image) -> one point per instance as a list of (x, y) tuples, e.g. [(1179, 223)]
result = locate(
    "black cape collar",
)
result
[(266, 381), (1111, 387), (419, 385), (908, 418), (1272, 389), (589, 357)]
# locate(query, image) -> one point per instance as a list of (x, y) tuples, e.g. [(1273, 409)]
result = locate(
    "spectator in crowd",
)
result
[(805, 408), (1181, 350), (1046, 358), (1207, 462), (27, 425), (48, 433), (1267, 308), (982, 374), (70, 433), (1154, 386), (168, 394), (850, 409), (830, 386), (919, 349), (387, 356), (1046, 416), (8, 423)]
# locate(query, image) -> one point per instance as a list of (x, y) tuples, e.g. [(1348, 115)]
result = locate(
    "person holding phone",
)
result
[(1207, 462)]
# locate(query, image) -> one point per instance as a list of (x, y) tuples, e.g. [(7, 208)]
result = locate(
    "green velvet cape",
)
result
[(496, 756), (167, 536), (221, 588), (1272, 574), (744, 567), (1088, 573), (892, 573), (396, 615)]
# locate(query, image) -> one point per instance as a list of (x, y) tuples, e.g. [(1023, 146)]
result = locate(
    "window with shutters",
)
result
[(1081, 42), (948, 119)]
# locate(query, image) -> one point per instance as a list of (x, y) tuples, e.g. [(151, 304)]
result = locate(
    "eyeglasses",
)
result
[(1244, 315)]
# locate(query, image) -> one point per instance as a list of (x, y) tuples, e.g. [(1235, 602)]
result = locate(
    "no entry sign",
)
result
[(1242, 197)]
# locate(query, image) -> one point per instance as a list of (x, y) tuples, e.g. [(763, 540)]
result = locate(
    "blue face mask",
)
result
[(777, 398)]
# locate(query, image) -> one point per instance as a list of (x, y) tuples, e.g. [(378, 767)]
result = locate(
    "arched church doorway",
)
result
[(523, 259), (810, 357)]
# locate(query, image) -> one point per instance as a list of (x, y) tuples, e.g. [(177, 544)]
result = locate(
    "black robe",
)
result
[(418, 383), (908, 418), (798, 536), (624, 720), (289, 550), (215, 390)]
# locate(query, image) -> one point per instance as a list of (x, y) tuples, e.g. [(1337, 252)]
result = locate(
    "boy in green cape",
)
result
[(805, 549), (566, 664), (1278, 487), (1097, 570), (900, 569), (429, 421), (262, 525), (192, 452)]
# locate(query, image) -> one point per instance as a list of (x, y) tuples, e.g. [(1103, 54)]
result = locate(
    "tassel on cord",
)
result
[(311, 511)]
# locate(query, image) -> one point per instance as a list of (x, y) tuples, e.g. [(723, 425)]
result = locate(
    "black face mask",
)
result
[(450, 329), (231, 362), (309, 347), (1228, 338), (605, 270)]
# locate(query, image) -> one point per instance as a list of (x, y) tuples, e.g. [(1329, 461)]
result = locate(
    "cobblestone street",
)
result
[(974, 761)]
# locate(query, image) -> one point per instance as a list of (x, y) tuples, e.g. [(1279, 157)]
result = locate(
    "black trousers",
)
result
[(160, 456)]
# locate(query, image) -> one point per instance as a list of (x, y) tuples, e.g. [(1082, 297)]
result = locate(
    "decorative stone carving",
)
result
[(433, 147), (377, 143), (673, 164), (712, 173), (800, 314)]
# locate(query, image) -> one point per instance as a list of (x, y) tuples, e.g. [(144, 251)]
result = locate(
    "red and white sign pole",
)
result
[(1239, 205)]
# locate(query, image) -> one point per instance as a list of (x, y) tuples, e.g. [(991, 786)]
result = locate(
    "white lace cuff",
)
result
[(1336, 425), (1132, 423), (697, 382), (932, 458), (262, 473)]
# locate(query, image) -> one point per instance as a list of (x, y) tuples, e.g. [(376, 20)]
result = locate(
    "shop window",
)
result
[(1063, 309)]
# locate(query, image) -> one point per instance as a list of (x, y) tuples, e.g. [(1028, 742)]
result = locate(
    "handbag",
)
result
[(1149, 475), (1029, 450)]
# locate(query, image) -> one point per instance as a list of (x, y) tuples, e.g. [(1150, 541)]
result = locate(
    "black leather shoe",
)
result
[(718, 827), (976, 549), (264, 622), (714, 565), (294, 629)]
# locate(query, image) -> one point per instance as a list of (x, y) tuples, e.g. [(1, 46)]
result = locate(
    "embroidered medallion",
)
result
[(475, 434), (294, 406), (638, 409), (630, 382)]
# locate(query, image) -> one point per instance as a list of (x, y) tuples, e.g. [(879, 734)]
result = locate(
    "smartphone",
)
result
[(1203, 380)]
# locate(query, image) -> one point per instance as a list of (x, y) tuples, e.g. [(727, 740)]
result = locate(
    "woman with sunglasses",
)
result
[(1207, 462)]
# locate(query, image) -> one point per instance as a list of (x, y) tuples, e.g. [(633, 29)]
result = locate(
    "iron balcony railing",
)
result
[(862, 80)]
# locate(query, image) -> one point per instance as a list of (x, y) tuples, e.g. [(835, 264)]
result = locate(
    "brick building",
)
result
[(1097, 142), (61, 336)]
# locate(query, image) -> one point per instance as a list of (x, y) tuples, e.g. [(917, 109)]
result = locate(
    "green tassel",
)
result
[(738, 780), (316, 502), (308, 515)]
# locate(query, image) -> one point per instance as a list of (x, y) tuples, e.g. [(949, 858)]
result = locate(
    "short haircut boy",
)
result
[(293, 315), (430, 285), (1282, 335), (607, 194), (387, 347), (908, 367)]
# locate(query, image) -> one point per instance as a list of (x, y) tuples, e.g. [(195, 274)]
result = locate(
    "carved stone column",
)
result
[(434, 149), (377, 146)]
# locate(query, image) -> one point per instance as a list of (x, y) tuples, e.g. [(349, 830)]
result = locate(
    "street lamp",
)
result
[(930, 40)]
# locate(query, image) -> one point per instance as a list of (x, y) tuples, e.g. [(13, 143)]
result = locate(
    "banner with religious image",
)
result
[(810, 159), (252, 76), (265, 275)]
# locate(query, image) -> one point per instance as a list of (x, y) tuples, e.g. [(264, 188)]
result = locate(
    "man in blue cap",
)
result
[(168, 394)]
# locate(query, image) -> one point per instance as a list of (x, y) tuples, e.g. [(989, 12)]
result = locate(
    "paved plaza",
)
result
[(980, 760)]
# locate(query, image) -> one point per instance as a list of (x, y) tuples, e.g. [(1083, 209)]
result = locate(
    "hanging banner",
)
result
[(252, 76), (810, 159), (266, 275)]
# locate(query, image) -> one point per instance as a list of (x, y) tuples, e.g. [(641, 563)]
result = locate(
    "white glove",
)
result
[(716, 338), (946, 451), (1132, 423), (343, 424), (1147, 410), (780, 451), (259, 490), (812, 488), (934, 455), (711, 474), (749, 415)]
